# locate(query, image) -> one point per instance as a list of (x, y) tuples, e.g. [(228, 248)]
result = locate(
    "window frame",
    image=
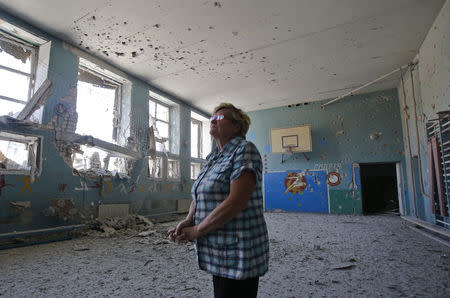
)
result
[(34, 143), (199, 138), (149, 176), (117, 105), (119, 146), (201, 163), (168, 122), (178, 161), (202, 142), (6, 37)]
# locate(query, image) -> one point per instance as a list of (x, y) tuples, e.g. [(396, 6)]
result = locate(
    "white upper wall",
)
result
[(256, 54), (434, 65)]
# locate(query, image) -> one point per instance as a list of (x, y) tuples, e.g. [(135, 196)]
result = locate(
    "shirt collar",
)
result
[(229, 147)]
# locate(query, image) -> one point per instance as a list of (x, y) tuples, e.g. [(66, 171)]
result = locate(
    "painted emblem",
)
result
[(295, 183), (333, 178)]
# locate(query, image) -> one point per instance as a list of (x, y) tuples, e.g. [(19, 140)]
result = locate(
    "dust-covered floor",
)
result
[(312, 255)]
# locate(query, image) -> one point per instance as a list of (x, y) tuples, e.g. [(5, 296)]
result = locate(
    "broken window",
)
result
[(200, 143), (195, 169), (92, 158), (196, 138), (17, 72), (19, 154), (173, 169), (164, 118), (160, 120), (200, 137), (98, 104), (164, 137), (99, 161), (155, 166), (99, 114)]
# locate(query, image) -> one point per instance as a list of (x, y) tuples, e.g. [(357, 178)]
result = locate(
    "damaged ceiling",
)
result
[(256, 54)]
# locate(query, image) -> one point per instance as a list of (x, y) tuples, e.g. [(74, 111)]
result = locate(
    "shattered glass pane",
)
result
[(14, 85), (202, 137), (194, 139), (162, 113), (10, 61), (159, 119), (155, 167), (95, 108), (10, 108), (163, 147), (173, 169), (117, 164), (13, 155), (92, 159), (195, 169), (163, 129), (152, 109)]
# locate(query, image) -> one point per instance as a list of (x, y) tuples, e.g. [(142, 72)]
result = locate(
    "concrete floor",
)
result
[(312, 255)]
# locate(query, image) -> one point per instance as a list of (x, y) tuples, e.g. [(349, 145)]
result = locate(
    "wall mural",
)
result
[(300, 191), (4, 184), (295, 183), (26, 184), (107, 187)]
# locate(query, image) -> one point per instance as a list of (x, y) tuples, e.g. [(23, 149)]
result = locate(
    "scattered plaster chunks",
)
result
[(146, 233)]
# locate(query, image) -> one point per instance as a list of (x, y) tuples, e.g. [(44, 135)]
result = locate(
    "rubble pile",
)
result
[(131, 225)]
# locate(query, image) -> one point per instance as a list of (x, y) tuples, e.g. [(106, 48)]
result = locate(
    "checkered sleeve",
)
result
[(247, 158)]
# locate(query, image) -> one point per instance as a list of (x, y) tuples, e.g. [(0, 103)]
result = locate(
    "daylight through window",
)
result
[(155, 167), (200, 137), (196, 138), (160, 120), (195, 169), (173, 169), (98, 105), (19, 154), (17, 68)]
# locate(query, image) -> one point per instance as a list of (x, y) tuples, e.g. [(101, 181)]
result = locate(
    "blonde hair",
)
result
[(239, 117)]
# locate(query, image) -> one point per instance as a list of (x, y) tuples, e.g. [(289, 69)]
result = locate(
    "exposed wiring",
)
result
[(363, 86)]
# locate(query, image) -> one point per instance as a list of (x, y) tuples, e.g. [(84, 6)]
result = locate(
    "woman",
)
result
[(226, 217)]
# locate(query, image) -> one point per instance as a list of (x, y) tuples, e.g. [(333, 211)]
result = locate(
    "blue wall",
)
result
[(58, 182), (340, 141), (311, 195)]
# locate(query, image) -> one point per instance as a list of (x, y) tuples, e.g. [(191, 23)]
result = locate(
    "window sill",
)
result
[(173, 180), (15, 172), (199, 160), (90, 173)]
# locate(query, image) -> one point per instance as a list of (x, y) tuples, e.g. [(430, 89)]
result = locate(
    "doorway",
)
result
[(379, 187)]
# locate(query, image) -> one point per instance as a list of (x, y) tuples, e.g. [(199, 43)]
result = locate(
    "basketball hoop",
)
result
[(288, 150)]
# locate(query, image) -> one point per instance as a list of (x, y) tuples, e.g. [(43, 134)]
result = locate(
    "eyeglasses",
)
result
[(216, 117)]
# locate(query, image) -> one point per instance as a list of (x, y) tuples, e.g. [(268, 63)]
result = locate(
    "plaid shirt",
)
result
[(239, 249)]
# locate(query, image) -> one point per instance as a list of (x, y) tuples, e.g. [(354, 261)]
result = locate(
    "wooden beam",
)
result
[(36, 100)]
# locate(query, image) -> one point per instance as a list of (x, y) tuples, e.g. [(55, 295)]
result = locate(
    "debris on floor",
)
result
[(133, 226), (311, 255)]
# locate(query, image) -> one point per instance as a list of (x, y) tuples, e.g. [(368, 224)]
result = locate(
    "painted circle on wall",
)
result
[(333, 178)]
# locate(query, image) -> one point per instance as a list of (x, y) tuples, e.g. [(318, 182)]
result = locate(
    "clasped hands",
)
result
[(185, 231)]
